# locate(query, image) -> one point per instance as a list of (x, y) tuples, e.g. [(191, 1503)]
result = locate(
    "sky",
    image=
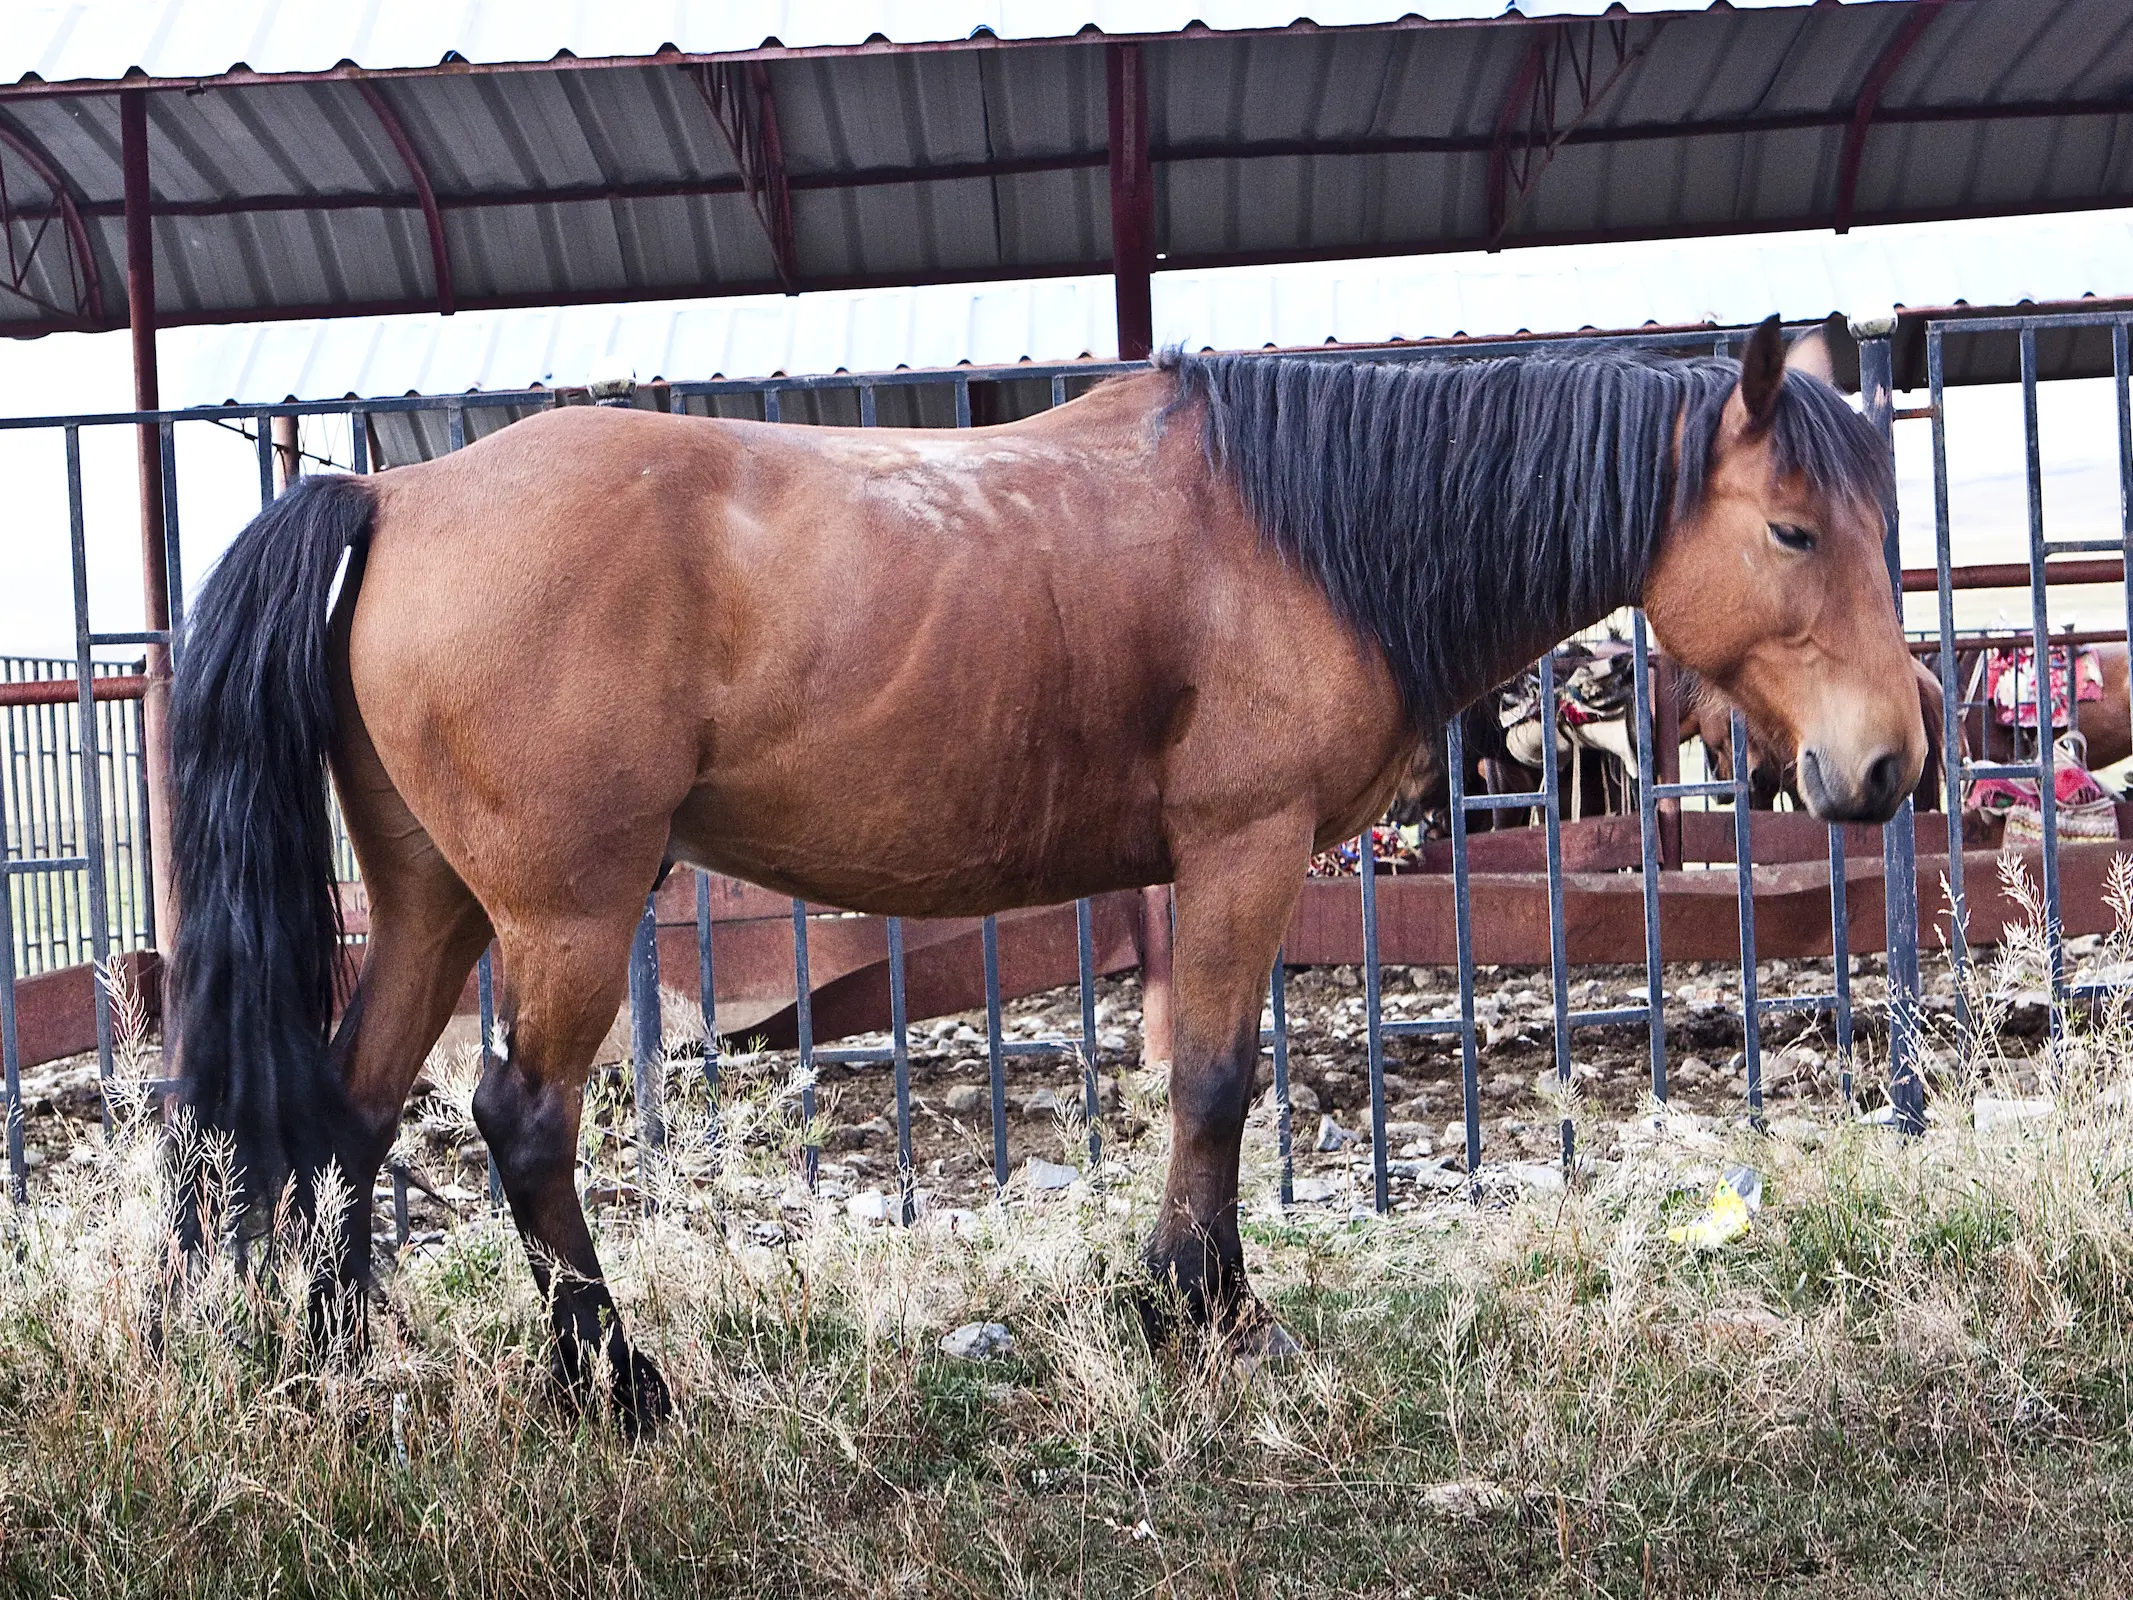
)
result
[(1731, 280)]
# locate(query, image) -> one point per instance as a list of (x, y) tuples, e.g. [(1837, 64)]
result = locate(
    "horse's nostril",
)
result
[(1884, 777)]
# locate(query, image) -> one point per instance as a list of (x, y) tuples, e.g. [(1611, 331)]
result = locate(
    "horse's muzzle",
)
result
[(1873, 791)]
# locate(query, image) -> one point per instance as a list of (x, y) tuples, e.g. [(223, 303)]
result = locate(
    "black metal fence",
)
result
[(412, 427)]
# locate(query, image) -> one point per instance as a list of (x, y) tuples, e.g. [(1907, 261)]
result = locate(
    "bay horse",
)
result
[(1181, 630)]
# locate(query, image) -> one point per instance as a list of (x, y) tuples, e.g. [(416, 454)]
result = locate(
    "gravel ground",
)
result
[(1329, 1074)]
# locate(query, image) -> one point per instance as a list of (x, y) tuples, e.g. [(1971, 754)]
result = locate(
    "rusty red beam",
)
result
[(2020, 641), (425, 195), (1907, 34), (67, 691), (2015, 574), (1132, 199), (55, 1012)]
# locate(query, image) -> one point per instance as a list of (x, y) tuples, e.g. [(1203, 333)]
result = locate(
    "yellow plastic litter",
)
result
[(1733, 1204)]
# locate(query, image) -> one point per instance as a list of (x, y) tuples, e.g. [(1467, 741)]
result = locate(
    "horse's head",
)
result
[(1770, 582)]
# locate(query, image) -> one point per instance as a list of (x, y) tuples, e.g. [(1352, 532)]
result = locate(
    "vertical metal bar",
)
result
[(1059, 390), (866, 405), (2122, 382), (772, 411), (995, 1053), (1366, 866), (264, 446), (2040, 636), (1649, 735), (173, 552), (1899, 840), (2040, 643), (1091, 1095), (900, 1055), (647, 1051), (18, 1160), (1840, 946), (962, 401), (92, 787), (1463, 929), (804, 1019), (485, 996), (1558, 941), (707, 1005), (1951, 691), (455, 427), (1284, 1127), (1744, 883), (359, 440)]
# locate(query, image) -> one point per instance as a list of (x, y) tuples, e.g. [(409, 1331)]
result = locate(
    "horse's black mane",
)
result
[(1467, 514)]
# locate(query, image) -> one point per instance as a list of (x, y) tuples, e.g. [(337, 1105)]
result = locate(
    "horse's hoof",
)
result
[(1261, 1343), (642, 1401)]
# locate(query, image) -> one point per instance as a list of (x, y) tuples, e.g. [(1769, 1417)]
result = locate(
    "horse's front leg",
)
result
[(1235, 895)]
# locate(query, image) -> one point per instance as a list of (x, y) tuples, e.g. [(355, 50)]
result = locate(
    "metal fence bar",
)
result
[(1899, 839), (1744, 880), (647, 1050), (18, 1157), (173, 542), (1284, 1133), (995, 1055), (804, 1020), (92, 783), (1085, 965), (2122, 393), (1366, 866), (2040, 632), (1648, 735), (1951, 690), (485, 1001), (1463, 934), (900, 1046), (707, 1006), (1840, 956), (1558, 944)]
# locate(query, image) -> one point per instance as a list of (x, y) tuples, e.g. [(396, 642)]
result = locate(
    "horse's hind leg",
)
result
[(426, 932), (563, 980), (1235, 895)]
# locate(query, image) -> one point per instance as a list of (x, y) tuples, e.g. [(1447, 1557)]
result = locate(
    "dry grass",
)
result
[(1911, 1378)]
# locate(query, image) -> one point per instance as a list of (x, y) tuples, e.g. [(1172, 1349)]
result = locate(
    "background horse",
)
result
[(1184, 629), (1706, 714)]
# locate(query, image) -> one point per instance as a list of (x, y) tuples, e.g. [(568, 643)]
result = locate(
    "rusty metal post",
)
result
[(288, 456), (1132, 200), (1157, 1033), (155, 565)]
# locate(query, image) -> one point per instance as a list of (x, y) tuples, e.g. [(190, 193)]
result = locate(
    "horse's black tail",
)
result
[(253, 982)]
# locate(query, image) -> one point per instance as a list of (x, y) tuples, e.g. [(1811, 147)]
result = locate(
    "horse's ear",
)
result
[(1810, 354), (1762, 373)]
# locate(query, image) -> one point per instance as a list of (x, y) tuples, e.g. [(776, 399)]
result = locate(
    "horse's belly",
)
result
[(950, 835)]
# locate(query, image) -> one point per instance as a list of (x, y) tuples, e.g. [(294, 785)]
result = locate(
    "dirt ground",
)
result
[(1329, 1076)]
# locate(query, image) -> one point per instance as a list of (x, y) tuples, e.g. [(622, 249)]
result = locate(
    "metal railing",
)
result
[(422, 425)]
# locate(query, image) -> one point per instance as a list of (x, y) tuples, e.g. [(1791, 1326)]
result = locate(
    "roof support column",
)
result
[(1132, 201), (155, 565)]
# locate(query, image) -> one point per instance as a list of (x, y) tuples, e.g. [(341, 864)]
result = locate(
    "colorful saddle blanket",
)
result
[(2011, 685)]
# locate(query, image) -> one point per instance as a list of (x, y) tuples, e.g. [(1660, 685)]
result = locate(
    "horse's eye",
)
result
[(1791, 537)]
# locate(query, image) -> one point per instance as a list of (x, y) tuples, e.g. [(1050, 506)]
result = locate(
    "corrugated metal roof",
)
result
[(59, 41), (577, 182)]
